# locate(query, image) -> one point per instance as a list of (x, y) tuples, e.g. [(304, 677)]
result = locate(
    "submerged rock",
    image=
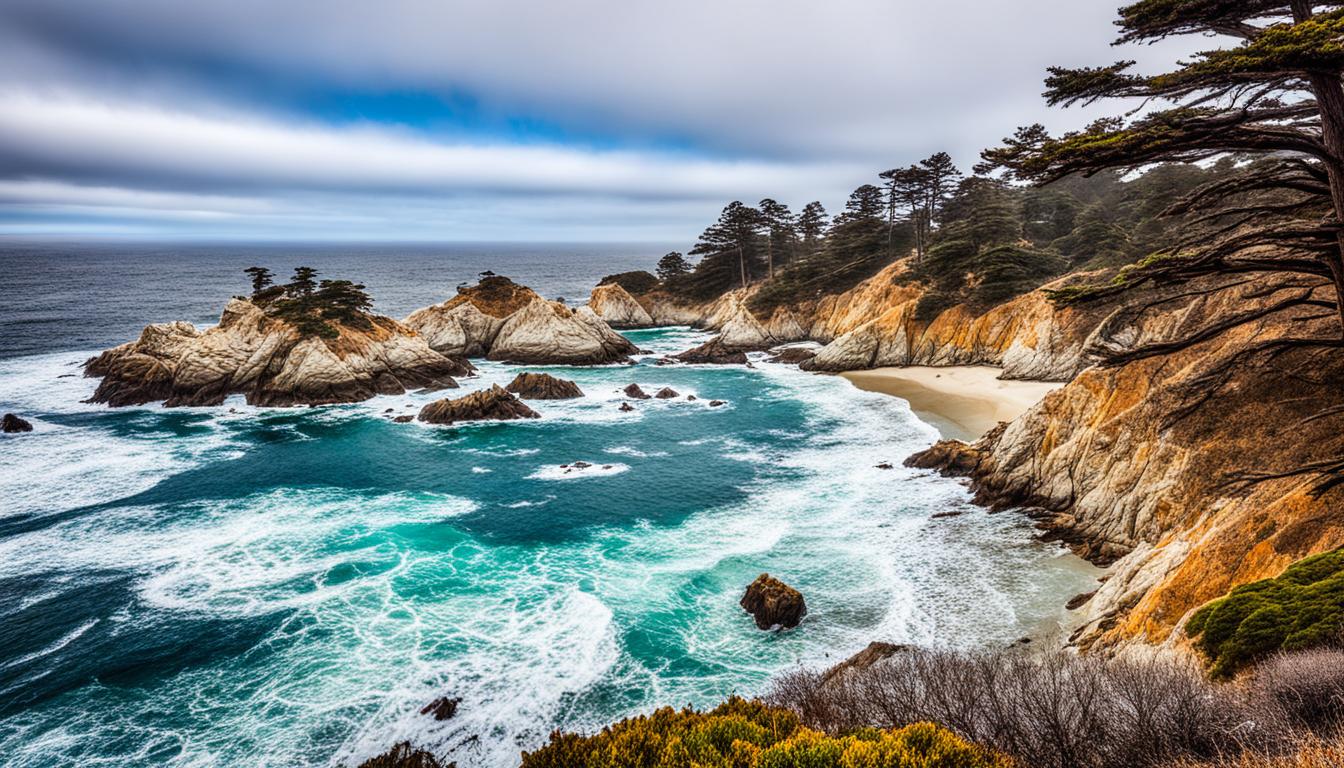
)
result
[(626, 407), (717, 403), (666, 393), (12, 424), (773, 603), (543, 386), (269, 361), (442, 708), (494, 403), (402, 419), (634, 391)]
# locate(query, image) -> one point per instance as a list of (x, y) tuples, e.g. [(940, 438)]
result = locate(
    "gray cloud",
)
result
[(790, 99)]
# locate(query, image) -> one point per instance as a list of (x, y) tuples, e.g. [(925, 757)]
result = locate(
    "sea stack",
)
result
[(12, 424), (543, 386), (772, 603), (493, 404)]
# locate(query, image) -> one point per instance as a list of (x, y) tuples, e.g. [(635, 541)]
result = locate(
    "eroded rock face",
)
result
[(543, 386), (666, 393), (773, 603), (549, 333), (618, 308), (493, 404), (875, 653), (636, 392), (269, 362), (1142, 465), (468, 323), (12, 424), (792, 355)]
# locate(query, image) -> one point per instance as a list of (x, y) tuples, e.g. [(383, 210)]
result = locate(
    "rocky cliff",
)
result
[(501, 320), (1183, 470), (618, 308), (267, 360)]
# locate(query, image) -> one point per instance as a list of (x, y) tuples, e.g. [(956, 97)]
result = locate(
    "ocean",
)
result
[(237, 586)]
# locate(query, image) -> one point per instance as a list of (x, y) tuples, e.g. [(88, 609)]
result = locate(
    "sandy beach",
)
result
[(963, 402)]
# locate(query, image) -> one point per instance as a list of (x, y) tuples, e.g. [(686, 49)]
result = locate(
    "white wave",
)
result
[(627, 450), (60, 643), (481, 470), (571, 472)]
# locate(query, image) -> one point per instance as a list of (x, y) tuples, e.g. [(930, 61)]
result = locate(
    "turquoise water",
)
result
[(245, 587)]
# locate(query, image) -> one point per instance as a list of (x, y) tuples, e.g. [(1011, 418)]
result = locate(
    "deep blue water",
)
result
[(249, 587)]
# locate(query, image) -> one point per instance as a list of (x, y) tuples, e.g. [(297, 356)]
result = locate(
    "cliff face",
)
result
[(873, 325), (505, 321), (1144, 464), (268, 361), (618, 308)]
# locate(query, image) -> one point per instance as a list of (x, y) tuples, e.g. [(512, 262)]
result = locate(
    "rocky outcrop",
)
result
[(543, 386), (493, 404), (792, 355), (666, 393), (269, 361), (772, 603), (468, 323), (1189, 472), (714, 352), (403, 755), (442, 708), (502, 320), (875, 653), (12, 424), (549, 333), (618, 308), (636, 392)]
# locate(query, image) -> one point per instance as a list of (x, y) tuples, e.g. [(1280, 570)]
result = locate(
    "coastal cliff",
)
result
[(1186, 471), (269, 361)]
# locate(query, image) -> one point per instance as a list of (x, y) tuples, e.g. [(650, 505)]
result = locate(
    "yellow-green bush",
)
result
[(749, 734)]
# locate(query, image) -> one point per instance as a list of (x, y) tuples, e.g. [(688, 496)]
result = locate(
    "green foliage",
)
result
[(312, 306), (672, 267), (749, 734), (638, 281), (1301, 608)]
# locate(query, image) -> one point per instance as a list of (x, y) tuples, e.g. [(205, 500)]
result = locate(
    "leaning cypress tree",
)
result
[(1271, 96)]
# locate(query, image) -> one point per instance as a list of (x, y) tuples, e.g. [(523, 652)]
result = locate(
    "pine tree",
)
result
[(261, 278), (672, 267), (781, 233), (1275, 94), (736, 233), (812, 226)]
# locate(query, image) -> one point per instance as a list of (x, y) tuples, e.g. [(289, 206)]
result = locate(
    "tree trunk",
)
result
[(1330, 103), (742, 264)]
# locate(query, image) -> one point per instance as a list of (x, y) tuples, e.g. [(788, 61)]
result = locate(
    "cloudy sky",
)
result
[(579, 120)]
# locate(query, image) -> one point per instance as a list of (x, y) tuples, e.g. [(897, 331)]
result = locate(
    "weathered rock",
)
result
[(626, 407), (468, 323), (493, 404), (268, 361), (442, 708), (548, 333), (1079, 600), (12, 424), (691, 398), (636, 392), (402, 419), (792, 355), (666, 393), (543, 386), (714, 352), (717, 403), (883, 465), (773, 603), (618, 308)]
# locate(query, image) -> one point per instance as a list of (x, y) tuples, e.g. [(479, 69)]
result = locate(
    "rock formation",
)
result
[(442, 708), (714, 352), (493, 404), (636, 392), (792, 355), (502, 320), (269, 361), (543, 386), (666, 393), (1190, 472), (403, 755), (12, 424), (773, 603), (618, 308)]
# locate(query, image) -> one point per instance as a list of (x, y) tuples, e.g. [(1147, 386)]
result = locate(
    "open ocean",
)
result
[(237, 586)]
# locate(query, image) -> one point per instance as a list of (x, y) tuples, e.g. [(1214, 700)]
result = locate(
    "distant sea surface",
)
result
[(237, 586)]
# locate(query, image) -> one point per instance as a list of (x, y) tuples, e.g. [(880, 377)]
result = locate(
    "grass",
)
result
[(1301, 608)]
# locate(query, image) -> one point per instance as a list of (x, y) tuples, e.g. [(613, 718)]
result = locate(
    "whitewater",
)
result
[(279, 587)]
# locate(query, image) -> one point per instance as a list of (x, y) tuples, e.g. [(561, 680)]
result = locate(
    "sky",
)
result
[(502, 120)]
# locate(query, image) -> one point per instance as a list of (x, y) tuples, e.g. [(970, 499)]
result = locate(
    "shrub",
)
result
[(403, 755), (750, 734), (1301, 608), (635, 282), (1305, 689), (1045, 711)]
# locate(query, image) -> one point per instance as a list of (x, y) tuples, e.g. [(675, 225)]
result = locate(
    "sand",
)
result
[(962, 402)]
